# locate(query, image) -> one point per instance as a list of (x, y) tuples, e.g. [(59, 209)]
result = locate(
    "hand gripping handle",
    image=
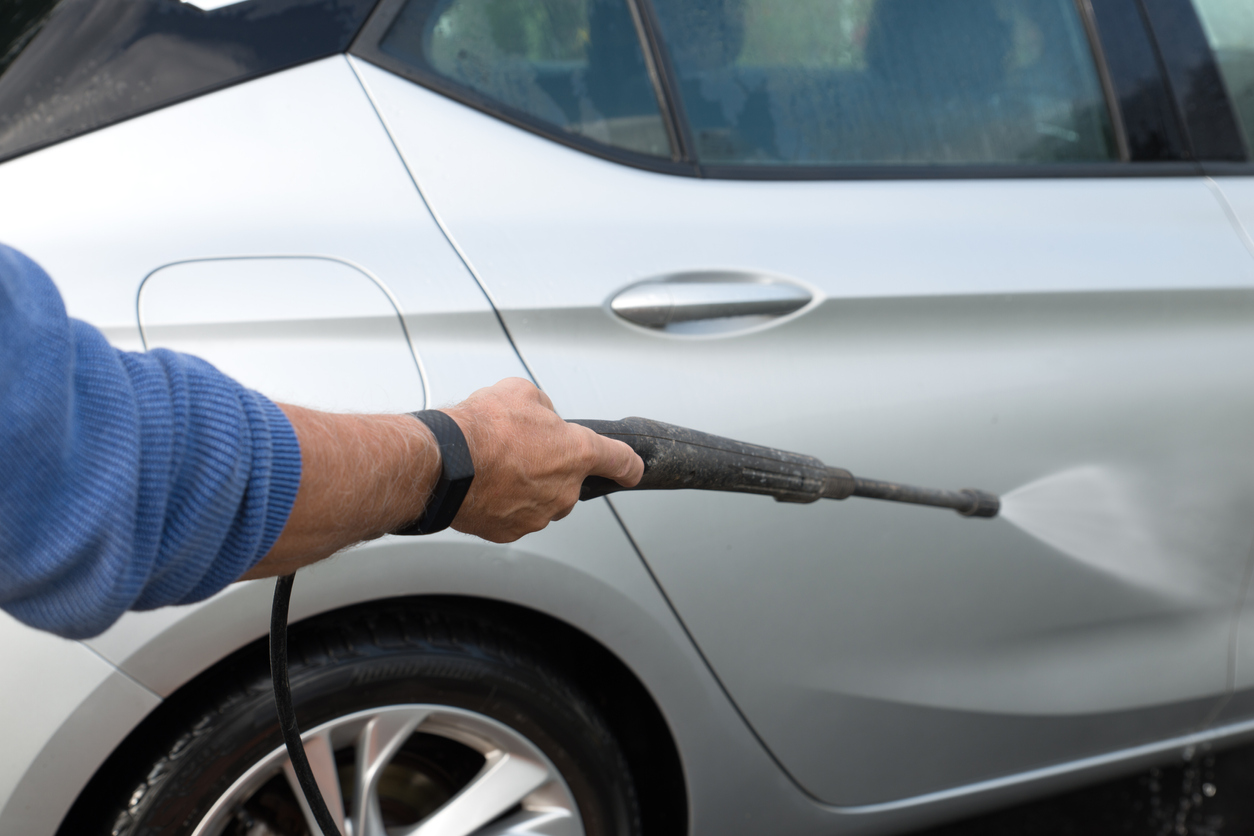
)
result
[(676, 458)]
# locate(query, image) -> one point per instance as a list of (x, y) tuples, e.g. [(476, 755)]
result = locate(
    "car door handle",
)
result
[(656, 304)]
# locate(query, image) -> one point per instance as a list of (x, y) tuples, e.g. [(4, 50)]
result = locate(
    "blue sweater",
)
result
[(127, 481)]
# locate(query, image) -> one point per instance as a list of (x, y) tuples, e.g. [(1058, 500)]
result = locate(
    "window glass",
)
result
[(1229, 27), (72, 66), (823, 82), (574, 64)]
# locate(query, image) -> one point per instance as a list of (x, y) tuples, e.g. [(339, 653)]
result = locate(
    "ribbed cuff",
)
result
[(285, 470)]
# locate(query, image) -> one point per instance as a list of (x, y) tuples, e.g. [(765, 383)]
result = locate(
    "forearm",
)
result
[(362, 477)]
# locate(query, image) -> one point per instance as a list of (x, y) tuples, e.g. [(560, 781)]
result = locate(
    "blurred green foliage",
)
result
[(805, 33), (1230, 28), (535, 30)]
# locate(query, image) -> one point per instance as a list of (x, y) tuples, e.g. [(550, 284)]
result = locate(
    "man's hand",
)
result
[(529, 463), (366, 475)]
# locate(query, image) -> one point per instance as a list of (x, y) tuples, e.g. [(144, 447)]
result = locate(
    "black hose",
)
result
[(287, 713)]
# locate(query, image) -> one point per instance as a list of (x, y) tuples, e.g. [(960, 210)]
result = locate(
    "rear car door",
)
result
[(988, 260)]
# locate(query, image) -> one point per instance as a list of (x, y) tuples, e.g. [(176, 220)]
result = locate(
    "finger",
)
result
[(545, 401), (615, 460)]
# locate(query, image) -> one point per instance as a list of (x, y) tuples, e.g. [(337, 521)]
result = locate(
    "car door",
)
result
[(984, 262)]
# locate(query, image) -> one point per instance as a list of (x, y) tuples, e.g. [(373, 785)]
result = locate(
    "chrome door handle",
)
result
[(656, 304)]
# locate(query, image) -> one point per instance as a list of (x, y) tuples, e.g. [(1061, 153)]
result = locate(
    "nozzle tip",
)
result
[(983, 503)]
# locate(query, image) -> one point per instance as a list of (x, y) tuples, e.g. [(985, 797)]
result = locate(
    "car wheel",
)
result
[(416, 723)]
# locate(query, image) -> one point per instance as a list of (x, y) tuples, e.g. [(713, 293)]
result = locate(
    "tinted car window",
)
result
[(73, 66), (1229, 27), (574, 64), (814, 82)]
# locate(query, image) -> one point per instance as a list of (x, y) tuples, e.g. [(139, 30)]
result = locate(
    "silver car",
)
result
[(999, 243)]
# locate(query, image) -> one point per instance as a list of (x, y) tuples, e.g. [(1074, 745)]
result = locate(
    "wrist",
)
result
[(456, 472), (361, 477)]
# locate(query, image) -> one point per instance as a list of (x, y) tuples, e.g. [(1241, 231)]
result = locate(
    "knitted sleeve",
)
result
[(127, 481)]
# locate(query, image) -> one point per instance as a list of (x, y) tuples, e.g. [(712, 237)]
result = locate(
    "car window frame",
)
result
[(367, 46), (683, 163)]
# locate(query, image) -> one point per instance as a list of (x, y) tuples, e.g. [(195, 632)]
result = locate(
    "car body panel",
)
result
[(968, 332), (73, 710), (311, 331), (295, 163)]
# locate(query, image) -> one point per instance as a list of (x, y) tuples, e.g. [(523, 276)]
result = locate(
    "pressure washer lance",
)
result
[(675, 458)]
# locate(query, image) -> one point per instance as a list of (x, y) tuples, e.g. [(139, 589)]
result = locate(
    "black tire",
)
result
[(381, 656)]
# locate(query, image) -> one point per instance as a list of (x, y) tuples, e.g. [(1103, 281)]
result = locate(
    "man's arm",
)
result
[(366, 475), (127, 481), (136, 481)]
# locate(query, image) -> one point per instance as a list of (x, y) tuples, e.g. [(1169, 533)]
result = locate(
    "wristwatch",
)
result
[(457, 471)]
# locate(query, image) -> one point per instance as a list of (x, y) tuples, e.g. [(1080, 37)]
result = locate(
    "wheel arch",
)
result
[(628, 707)]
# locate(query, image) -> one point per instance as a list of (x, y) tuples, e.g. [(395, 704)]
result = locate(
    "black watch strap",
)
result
[(456, 473)]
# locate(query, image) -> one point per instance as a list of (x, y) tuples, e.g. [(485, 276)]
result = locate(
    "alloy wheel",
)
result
[(411, 770)]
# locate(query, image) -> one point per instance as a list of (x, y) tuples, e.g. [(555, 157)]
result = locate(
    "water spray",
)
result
[(675, 458)]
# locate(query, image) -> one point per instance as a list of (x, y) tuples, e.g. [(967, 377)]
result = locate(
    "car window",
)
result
[(573, 64), (72, 66), (822, 82), (1229, 27)]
